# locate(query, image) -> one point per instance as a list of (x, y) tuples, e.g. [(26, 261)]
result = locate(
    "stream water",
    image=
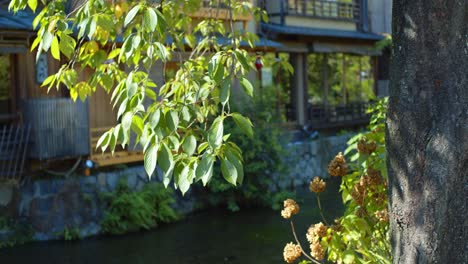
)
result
[(249, 236)]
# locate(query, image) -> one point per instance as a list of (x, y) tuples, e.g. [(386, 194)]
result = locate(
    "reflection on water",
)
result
[(249, 236)]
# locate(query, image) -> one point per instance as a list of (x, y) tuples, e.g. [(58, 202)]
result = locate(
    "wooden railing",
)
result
[(325, 9), (321, 116), (120, 155), (213, 9), (14, 142)]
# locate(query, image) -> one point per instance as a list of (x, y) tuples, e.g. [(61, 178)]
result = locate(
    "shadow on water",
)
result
[(250, 236)]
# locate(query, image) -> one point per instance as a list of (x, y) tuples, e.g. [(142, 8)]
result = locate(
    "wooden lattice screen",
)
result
[(14, 141)]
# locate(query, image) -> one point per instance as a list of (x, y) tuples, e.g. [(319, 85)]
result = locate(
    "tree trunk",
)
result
[(427, 132)]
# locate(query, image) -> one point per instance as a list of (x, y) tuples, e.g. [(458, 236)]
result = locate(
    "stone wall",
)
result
[(51, 206), (310, 158)]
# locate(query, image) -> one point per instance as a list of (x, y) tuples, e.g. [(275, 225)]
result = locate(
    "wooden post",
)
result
[(343, 79), (325, 79), (360, 79)]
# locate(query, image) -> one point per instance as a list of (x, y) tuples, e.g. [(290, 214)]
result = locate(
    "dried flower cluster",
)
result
[(317, 185), (382, 215), (361, 212), (365, 146), (358, 193), (290, 208), (337, 166), (315, 232), (373, 176), (316, 250), (379, 198), (291, 252)]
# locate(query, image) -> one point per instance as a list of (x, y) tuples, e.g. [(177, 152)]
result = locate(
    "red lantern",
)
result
[(258, 63)]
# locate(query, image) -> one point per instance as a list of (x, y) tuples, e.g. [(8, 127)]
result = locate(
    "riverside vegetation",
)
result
[(361, 235)]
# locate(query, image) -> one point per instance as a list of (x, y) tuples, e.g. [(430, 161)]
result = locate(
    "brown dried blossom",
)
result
[(315, 232), (317, 185), (361, 212), (338, 167), (358, 194), (291, 252), (290, 208), (374, 177), (365, 146), (316, 250)]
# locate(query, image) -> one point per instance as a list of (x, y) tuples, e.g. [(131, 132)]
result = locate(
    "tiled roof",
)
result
[(19, 21), (319, 32)]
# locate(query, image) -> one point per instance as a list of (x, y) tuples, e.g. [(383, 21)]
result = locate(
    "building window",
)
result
[(339, 79)]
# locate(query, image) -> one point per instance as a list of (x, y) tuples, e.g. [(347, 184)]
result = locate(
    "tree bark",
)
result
[(427, 132)]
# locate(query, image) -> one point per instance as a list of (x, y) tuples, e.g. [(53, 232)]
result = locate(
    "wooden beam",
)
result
[(325, 79), (343, 79)]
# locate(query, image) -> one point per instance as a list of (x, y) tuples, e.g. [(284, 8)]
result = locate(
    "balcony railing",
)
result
[(320, 116), (324, 9)]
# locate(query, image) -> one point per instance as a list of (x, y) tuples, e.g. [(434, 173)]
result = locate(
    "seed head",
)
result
[(338, 167), (315, 232), (290, 208), (291, 252), (316, 250), (317, 185), (365, 146)]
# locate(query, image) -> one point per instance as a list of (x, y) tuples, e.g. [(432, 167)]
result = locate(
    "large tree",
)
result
[(427, 131)]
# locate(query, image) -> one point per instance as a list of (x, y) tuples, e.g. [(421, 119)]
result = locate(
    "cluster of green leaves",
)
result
[(19, 233), (128, 211), (180, 124), (70, 234), (263, 155), (361, 235)]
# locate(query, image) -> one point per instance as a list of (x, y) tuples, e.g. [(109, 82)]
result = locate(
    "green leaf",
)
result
[(151, 157), (183, 181), (348, 257), (154, 119), (127, 121), (55, 48), (229, 171), (114, 53), (248, 88), (162, 51), (33, 5), (225, 91), (204, 170), (47, 38), (243, 123), (67, 45), (103, 141), (172, 120), (137, 125), (131, 15), (189, 145), (150, 19), (237, 163), (166, 162), (216, 132)]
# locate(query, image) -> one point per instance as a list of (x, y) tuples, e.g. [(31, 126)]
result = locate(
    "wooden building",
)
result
[(57, 127), (331, 45)]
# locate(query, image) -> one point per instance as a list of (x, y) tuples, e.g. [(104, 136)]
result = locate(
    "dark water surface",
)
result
[(254, 236)]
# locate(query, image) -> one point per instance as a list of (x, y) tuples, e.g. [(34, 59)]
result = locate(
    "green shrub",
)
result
[(361, 235), (129, 211)]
